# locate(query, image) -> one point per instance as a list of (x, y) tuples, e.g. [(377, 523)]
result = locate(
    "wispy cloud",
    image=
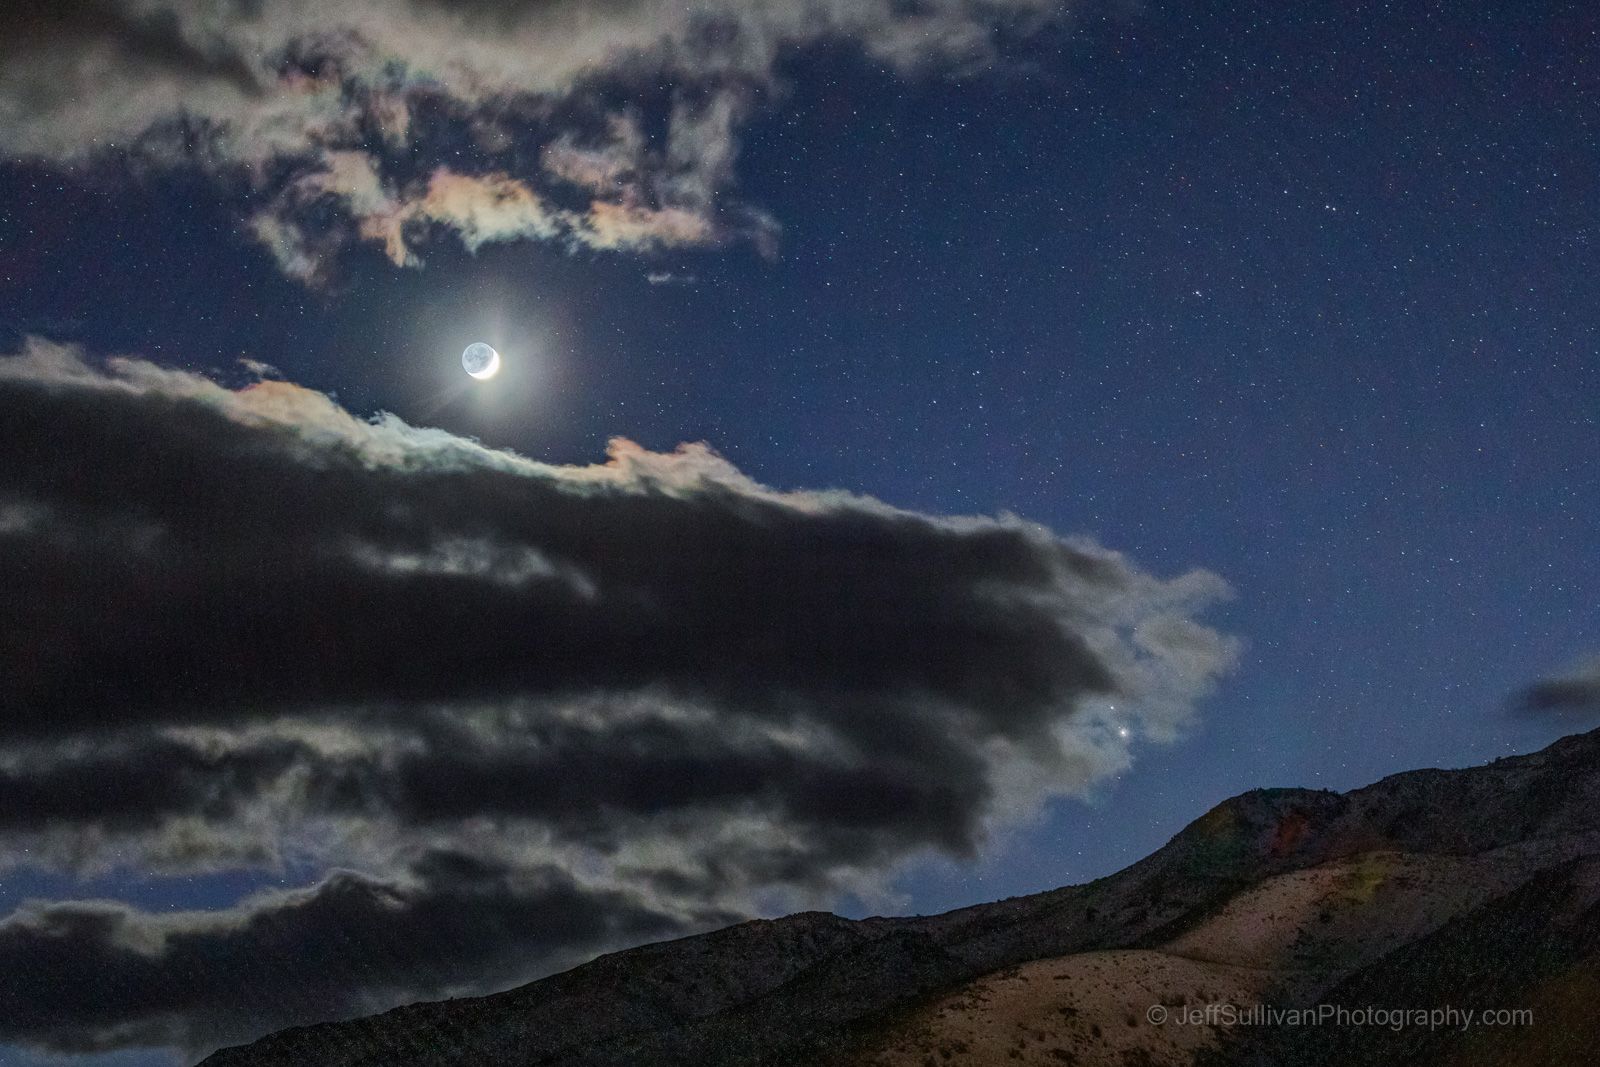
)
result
[(495, 119)]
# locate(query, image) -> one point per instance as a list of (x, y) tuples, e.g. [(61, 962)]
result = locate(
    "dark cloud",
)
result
[(243, 627), (203, 568), (93, 975), (314, 106), (1577, 693), (111, 785)]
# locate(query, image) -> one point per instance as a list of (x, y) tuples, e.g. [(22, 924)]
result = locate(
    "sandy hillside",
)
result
[(1085, 1009), (1276, 942), (1341, 915)]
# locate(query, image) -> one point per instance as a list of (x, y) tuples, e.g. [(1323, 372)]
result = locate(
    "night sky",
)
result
[(1301, 296)]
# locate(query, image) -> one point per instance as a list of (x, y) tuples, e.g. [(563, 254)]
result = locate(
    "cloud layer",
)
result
[(546, 710), (608, 125)]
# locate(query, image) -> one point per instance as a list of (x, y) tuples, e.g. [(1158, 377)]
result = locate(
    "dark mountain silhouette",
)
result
[(1475, 888)]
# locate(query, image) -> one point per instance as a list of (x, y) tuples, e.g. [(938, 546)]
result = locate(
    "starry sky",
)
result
[(1297, 296)]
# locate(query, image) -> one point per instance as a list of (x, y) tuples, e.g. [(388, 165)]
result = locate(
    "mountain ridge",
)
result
[(1434, 846)]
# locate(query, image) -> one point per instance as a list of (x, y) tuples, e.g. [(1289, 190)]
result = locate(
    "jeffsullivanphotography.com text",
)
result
[(1394, 1018)]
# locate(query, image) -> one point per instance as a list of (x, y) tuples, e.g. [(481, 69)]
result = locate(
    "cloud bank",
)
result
[(519, 713), (605, 125)]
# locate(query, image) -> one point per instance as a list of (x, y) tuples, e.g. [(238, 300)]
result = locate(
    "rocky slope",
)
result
[(1407, 891)]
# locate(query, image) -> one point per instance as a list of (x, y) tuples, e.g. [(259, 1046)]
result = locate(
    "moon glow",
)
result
[(480, 361)]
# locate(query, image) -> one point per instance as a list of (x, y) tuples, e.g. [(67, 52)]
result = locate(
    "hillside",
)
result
[(1472, 887)]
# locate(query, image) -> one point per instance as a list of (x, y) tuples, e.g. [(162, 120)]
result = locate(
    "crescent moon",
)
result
[(489, 371)]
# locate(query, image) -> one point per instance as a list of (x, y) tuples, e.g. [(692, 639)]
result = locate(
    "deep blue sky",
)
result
[(1303, 294)]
